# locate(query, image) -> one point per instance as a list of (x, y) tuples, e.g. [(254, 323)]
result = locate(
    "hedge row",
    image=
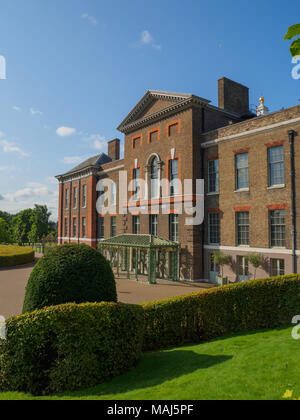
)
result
[(70, 347), (11, 256), (219, 312)]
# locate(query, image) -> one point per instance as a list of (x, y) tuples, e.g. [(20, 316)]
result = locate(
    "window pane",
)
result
[(214, 228), (242, 221), (243, 266), (242, 175), (136, 225), (154, 179), (277, 228), (83, 227), (84, 196), (173, 176), (113, 222), (276, 166), (174, 227), (153, 225), (136, 184), (277, 267), (213, 176), (74, 227), (67, 199), (75, 197), (101, 228)]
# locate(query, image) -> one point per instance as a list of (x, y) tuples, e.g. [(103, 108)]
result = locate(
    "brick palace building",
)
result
[(251, 170)]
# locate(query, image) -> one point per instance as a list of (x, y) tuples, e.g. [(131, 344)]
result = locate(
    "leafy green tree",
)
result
[(294, 31), (221, 259), (40, 223), (256, 260), (4, 231), (22, 225), (6, 216)]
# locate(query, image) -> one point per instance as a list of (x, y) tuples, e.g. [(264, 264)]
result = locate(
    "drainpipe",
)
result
[(203, 177), (70, 212), (292, 135), (79, 207)]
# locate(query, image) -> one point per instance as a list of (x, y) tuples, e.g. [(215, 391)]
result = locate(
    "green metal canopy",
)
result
[(143, 254), (138, 241)]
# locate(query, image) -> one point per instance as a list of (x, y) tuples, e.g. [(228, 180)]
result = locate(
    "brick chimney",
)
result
[(114, 149), (233, 96)]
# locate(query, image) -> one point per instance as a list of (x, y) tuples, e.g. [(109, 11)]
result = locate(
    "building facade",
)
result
[(249, 164)]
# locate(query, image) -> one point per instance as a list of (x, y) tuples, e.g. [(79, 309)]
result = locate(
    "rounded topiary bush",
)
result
[(70, 274)]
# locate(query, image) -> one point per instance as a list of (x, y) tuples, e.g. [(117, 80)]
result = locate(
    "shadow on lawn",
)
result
[(154, 369)]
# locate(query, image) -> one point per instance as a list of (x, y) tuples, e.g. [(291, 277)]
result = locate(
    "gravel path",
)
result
[(13, 283)]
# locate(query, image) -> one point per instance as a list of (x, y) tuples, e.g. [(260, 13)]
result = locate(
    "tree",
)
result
[(4, 231), (292, 32), (31, 225), (41, 220), (221, 259), (40, 223), (256, 260), (6, 216), (21, 226)]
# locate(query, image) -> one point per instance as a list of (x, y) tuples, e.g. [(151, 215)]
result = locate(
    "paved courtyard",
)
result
[(13, 283)]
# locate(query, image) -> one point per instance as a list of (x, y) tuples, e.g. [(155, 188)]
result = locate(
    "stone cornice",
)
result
[(244, 133), (83, 173), (127, 127)]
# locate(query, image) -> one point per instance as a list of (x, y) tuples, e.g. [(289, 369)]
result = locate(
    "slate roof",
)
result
[(96, 161)]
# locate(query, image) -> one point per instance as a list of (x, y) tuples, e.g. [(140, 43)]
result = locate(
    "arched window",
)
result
[(154, 178)]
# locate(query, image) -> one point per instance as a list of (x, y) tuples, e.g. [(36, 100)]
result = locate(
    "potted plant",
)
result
[(221, 259), (256, 260)]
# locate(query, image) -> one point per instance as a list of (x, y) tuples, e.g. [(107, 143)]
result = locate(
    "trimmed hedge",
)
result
[(11, 256), (70, 347), (70, 274), (218, 312)]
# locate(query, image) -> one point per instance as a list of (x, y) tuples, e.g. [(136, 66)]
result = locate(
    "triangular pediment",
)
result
[(152, 103)]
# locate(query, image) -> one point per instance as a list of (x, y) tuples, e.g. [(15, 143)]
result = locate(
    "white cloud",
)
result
[(65, 131), (72, 160), (90, 18), (7, 168), (1, 197), (97, 141), (16, 108), (35, 112), (9, 147), (2, 134), (148, 40), (33, 193), (51, 180)]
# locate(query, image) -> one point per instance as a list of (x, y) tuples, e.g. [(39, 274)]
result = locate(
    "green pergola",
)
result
[(144, 255)]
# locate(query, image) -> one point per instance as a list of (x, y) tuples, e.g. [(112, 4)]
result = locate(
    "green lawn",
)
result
[(252, 366)]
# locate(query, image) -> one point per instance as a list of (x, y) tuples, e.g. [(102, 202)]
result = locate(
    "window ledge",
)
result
[(242, 190), (276, 187), (243, 246), (212, 193)]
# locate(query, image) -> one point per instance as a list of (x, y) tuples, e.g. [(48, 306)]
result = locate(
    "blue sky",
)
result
[(81, 65)]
